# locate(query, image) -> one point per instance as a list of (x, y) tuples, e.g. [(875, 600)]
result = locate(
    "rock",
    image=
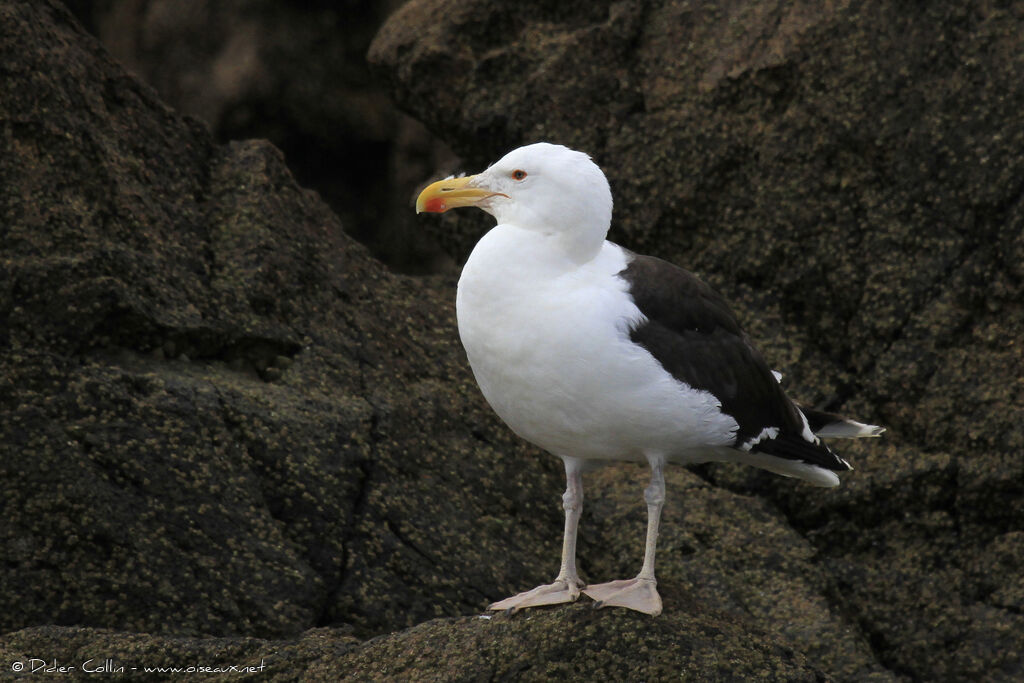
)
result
[(358, 512), (849, 177), (596, 645), (297, 76), (144, 491)]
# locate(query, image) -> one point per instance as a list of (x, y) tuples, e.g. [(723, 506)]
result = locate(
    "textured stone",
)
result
[(591, 645), (223, 424), (294, 74), (153, 477)]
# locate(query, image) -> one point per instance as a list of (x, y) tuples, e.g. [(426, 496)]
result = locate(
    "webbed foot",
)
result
[(636, 594), (562, 590)]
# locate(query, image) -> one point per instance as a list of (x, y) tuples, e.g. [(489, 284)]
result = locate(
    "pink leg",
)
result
[(566, 586), (640, 593)]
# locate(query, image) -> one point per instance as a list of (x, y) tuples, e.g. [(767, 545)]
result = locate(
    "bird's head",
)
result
[(541, 187)]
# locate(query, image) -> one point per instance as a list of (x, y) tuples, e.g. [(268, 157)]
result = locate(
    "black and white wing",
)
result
[(692, 332)]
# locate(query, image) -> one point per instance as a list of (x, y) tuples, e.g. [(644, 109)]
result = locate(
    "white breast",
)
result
[(548, 341)]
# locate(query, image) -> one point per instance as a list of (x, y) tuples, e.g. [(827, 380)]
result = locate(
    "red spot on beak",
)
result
[(435, 205)]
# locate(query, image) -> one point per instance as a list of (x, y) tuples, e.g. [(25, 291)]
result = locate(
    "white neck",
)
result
[(578, 247), (579, 235)]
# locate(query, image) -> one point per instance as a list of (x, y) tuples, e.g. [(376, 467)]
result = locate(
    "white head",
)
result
[(542, 187)]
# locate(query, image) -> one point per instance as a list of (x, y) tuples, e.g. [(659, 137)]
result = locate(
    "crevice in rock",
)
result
[(267, 357)]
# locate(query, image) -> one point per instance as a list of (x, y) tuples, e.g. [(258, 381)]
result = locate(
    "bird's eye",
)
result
[(518, 174)]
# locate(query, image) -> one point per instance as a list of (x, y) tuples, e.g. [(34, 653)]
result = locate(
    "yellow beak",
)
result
[(451, 194)]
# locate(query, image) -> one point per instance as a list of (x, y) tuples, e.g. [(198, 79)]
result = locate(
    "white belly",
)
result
[(549, 345)]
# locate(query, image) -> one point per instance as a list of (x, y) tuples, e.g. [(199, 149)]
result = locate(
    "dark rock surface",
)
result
[(228, 435), (219, 415), (595, 645), (294, 74)]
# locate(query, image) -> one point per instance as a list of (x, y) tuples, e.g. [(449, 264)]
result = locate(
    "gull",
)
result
[(597, 354)]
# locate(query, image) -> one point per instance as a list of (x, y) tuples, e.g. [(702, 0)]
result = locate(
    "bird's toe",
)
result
[(635, 594), (562, 590)]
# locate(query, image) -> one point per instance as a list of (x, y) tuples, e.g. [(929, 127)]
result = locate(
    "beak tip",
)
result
[(431, 204), (450, 193)]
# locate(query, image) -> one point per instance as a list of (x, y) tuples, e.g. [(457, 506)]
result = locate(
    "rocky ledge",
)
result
[(231, 438)]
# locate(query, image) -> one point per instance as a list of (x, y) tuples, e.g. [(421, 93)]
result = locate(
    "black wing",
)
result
[(693, 333)]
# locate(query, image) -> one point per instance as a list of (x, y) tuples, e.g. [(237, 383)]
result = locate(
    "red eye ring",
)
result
[(518, 174)]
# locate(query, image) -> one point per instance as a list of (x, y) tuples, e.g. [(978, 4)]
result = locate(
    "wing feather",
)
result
[(691, 330)]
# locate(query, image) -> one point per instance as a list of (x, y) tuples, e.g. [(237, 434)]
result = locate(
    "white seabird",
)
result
[(597, 354)]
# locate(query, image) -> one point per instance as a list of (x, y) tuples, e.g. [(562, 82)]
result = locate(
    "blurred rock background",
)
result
[(230, 431), (294, 74)]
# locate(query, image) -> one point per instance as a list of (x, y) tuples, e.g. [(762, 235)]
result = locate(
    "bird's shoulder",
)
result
[(677, 299)]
